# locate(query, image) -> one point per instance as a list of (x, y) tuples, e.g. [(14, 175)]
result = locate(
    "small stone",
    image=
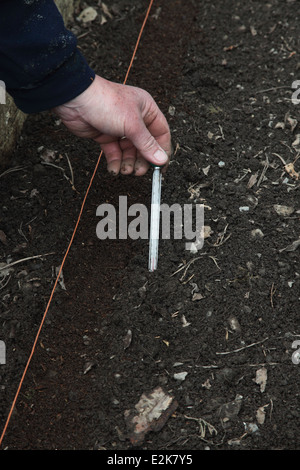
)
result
[(180, 376), (251, 427), (234, 324), (86, 340), (87, 15), (257, 233)]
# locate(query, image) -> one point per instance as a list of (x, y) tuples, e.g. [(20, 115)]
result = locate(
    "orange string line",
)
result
[(69, 245)]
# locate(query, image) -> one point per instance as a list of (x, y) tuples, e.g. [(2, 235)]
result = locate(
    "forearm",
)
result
[(39, 60)]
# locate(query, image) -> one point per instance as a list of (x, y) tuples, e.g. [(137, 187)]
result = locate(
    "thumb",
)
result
[(148, 146)]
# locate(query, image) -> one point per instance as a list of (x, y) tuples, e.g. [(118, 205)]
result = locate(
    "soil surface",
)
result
[(216, 329)]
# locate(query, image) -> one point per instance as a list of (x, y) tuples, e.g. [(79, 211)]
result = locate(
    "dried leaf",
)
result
[(3, 237), (197, 296), (206, 170), (261, 414), (207, 231), (289, 168), (150, 414), (292, 247), (252, 180), (185, 323), (292, 122), (103, 20), (61, 278), (296, 142), (206, 384), (285, 211), (106, 10)]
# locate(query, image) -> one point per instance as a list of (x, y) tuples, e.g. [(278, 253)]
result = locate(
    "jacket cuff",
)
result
[(59, 87)]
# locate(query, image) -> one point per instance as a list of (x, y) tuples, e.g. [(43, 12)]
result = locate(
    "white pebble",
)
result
[(180, 376)]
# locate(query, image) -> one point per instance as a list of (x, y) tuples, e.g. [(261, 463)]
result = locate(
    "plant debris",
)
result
[(150, 414)]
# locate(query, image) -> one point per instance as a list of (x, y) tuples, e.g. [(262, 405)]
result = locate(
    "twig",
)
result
[(260, 364), (10, 170), (272, 292), (71, 171), (4, 285), (289, 167), (222, 133), (215, 261), (21, 232), (296, 158), (186, 267), (280, 157), (189, 279), (208, 367), (202, 426), (263, 171), (271, 409), (25, 259), (241, 349), (59, 168), (83, 35), (273, 88), (220, 240)]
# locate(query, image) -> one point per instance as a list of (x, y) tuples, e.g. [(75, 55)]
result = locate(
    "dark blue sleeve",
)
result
[(40, 63)]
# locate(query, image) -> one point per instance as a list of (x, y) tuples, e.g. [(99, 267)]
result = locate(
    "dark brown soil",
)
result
[(226, 68)]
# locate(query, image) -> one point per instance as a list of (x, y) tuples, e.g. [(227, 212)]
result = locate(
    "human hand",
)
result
[(125, 121)]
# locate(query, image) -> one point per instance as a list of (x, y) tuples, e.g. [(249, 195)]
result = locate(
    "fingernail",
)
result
[(160, 157), (126, 168)]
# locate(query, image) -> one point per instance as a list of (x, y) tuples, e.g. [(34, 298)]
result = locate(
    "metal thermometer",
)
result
[(155, 218)]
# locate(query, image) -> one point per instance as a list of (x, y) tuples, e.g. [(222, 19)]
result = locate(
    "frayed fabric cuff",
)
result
[(57, 88)]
